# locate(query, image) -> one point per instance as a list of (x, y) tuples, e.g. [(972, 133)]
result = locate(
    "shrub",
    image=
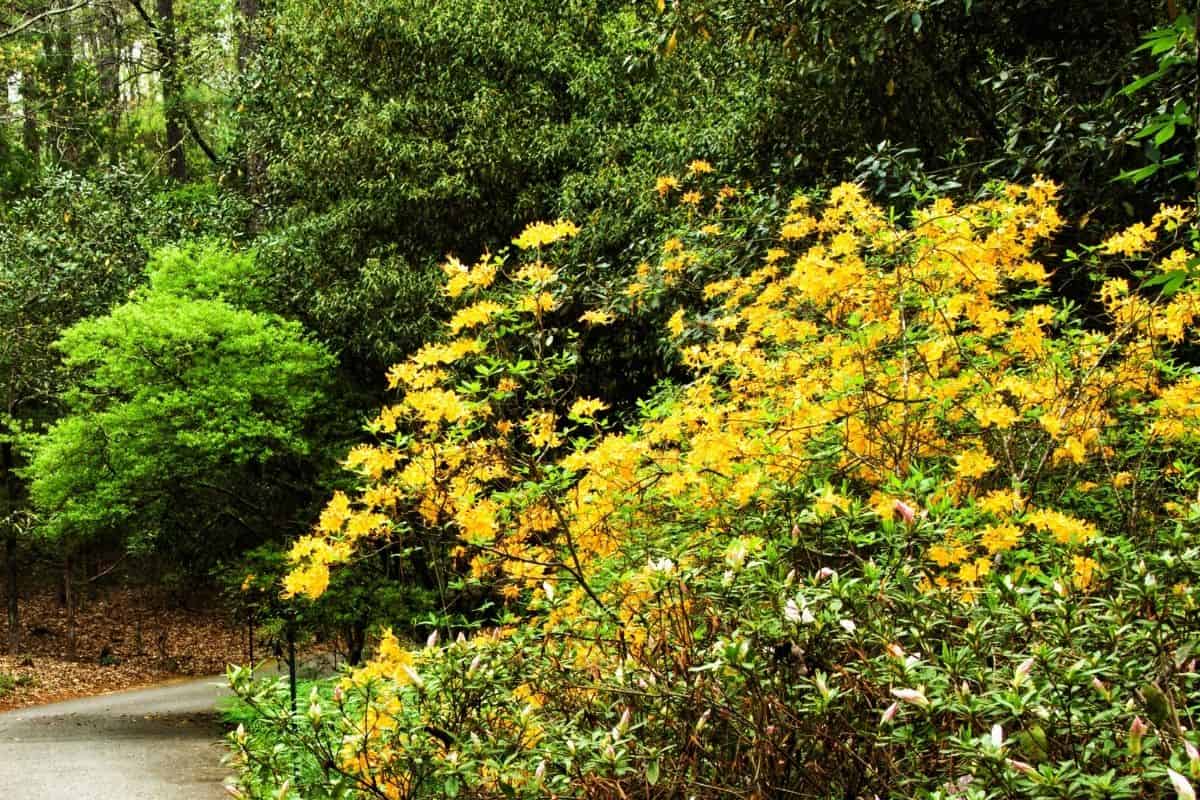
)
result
[(910, 528)]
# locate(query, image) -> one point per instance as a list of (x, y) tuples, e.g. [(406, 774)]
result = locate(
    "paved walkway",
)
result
[(149, 744)]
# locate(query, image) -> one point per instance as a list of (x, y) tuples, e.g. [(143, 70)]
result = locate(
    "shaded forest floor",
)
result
[(125, 639)]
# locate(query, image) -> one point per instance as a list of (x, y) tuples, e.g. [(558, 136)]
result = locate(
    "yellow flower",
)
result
[(537, 272), (700, 167), (1001, 502), (1065, 529), (675, 323), (586, 408), (472, 316), (999, 415), (973, 464), (1083, 572), (1133, 240), (999, 538), (536, 303), (691, 198), (540, 234), (336, 512), (665, 184), (540, 427), (597, 317)]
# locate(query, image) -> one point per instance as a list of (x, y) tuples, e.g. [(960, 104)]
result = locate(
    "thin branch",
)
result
[(53, 12)]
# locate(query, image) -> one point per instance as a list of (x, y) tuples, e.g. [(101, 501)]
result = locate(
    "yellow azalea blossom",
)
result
[(1135, 239), (1083, 572), (537, 304), (537, 272), (665, 184), (597, 317), (973, 464), (540, 234), (700, 167), (675, 323), (586, 408), (1000, 416), (999, 538), (1064, 528), (540, 427), (473, 316)]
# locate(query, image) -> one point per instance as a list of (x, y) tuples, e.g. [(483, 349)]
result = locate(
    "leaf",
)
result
[(652, 772), (916, 21), (1165, 134), (451, 786)]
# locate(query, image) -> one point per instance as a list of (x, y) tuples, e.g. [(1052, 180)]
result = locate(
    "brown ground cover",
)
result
[(124, 639)]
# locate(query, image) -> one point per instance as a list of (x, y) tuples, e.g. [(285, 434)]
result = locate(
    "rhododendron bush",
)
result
[(914, 526)]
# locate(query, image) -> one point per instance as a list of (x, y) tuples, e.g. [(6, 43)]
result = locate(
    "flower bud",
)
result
[(1193, 758), (1183, 788), (904, 511), (1137, 730), (890, 713), (1022, 672), (432, 640), (915, 696)]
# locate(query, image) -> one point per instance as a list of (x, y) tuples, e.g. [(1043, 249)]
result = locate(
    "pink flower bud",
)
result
[(890, 713), (1137, 729), (1193, 758), (432, 640), (915, 696), (905, 511), (1022, 767), (824, 573), (1183, 788)]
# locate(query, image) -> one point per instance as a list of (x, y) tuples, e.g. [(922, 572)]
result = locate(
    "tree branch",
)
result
[(53, 12)]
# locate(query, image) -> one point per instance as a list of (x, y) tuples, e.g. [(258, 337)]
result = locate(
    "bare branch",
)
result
[(53, 12)]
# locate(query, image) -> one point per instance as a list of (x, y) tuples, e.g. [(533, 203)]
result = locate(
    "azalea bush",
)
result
[(909, 528)]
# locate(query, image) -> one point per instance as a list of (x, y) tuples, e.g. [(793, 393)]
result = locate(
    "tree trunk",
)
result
[(11, 489), (172, 90), (14, 607), (69, 599), (59, 46), (252, 162), (32, 135), (108, 65)]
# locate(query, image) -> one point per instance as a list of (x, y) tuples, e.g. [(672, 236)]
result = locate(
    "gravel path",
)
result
[(149, 744)]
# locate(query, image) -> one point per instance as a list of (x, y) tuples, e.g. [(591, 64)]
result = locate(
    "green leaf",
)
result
[(1165, 134), (652, 772)]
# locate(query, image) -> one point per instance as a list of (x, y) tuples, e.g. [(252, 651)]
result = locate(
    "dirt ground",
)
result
[(124, 639)]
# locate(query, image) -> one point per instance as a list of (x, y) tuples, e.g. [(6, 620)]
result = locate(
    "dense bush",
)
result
[(909, 529)]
